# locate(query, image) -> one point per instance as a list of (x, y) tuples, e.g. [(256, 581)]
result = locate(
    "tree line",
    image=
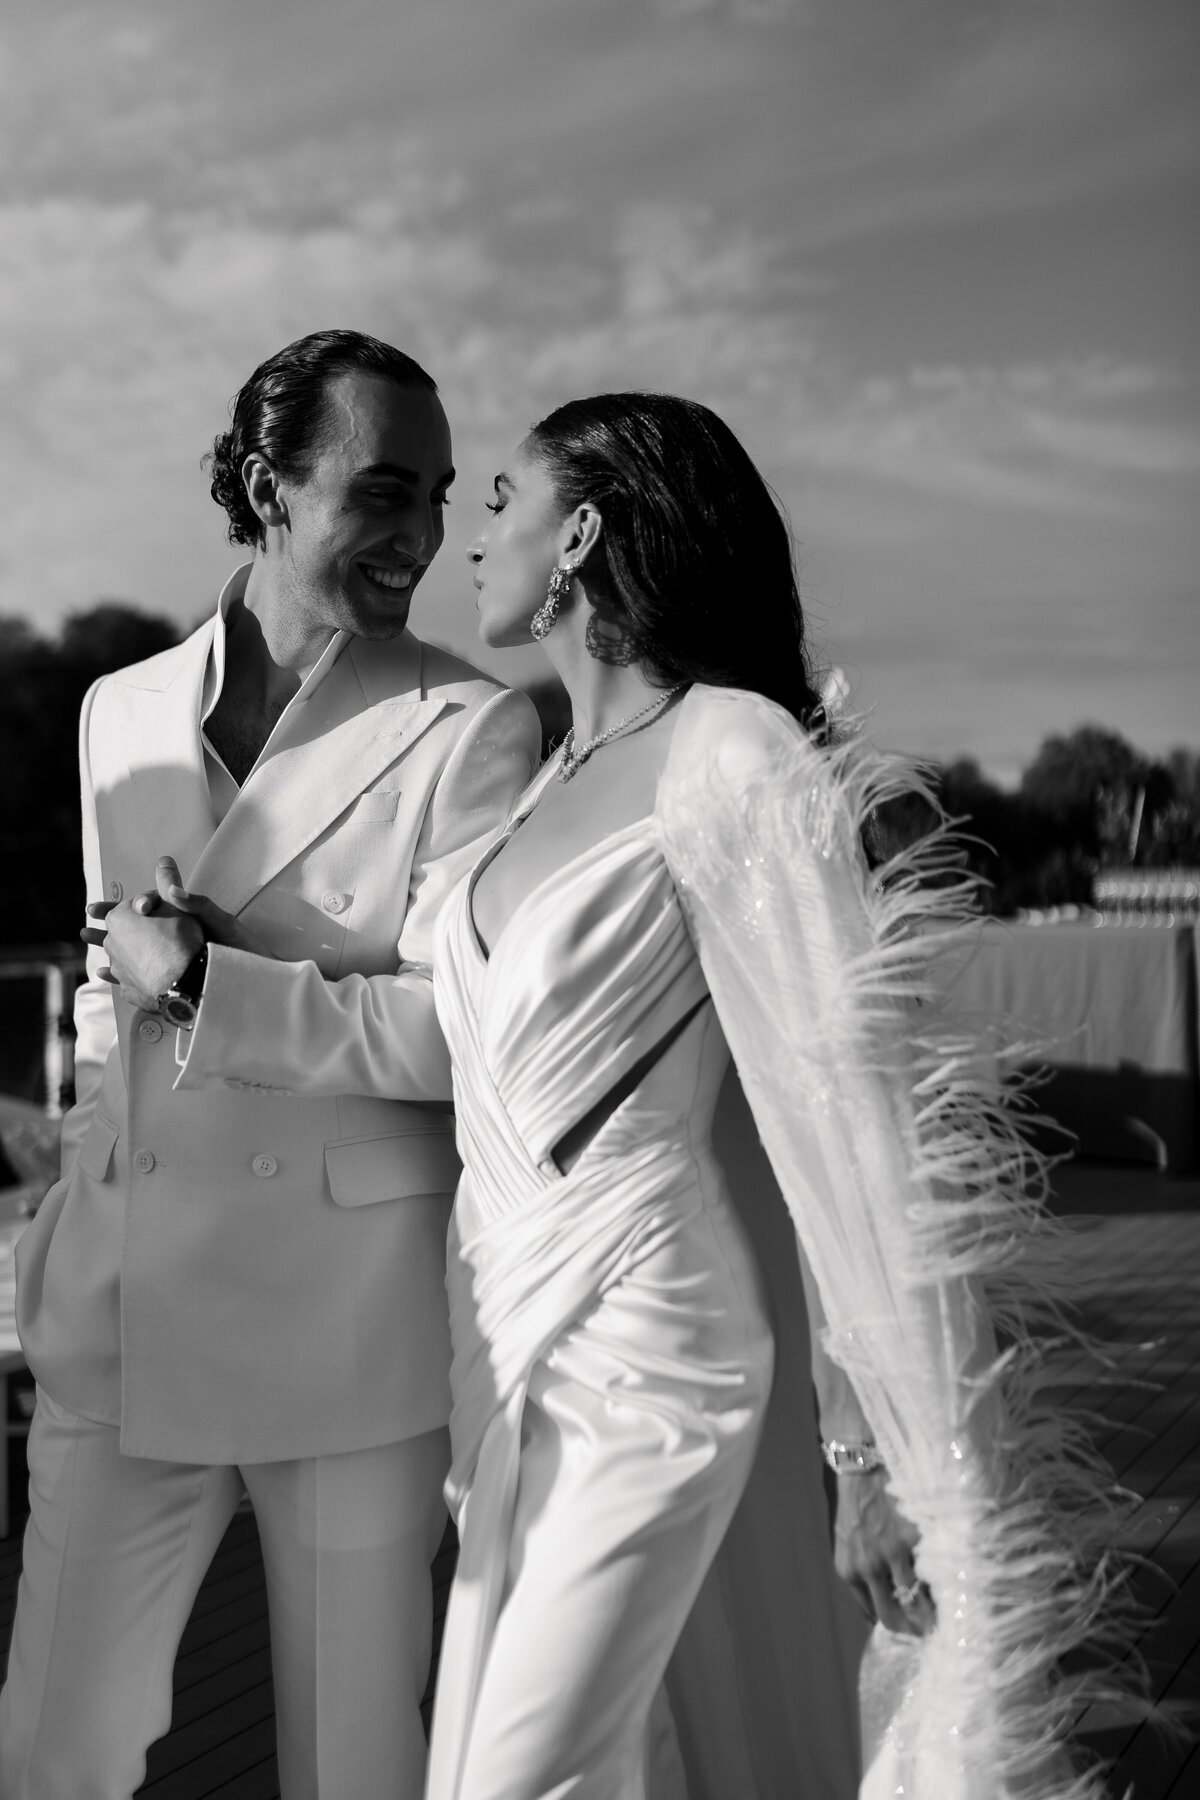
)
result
[(1087, 801)]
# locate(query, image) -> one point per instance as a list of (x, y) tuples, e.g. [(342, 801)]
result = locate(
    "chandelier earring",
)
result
[(560, 587)]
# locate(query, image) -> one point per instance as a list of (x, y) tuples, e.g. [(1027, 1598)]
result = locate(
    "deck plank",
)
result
[(1138, 1292)]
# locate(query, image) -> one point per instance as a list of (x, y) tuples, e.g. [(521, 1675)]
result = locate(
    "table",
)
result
[(1113, 1012)]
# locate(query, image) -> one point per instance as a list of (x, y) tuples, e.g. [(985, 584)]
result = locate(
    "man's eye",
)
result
[(440, 500)]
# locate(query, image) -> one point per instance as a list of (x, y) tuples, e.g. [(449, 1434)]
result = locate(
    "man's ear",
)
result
[(262, 489), (581, 532)]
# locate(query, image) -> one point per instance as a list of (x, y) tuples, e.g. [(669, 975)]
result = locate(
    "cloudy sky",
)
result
[(935, 260)]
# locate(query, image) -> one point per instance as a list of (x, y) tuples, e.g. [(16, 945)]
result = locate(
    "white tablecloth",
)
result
[(1113, 1012)]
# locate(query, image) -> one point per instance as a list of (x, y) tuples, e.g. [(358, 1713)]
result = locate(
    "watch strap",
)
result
[(191, 982), (181, 1002)]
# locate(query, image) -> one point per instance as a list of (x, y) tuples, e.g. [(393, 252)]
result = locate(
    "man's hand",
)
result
[(873, 1553), (147, 937), (149, 946), (218, 926)]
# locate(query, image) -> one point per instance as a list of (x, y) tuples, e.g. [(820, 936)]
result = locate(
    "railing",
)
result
[(59, 968)]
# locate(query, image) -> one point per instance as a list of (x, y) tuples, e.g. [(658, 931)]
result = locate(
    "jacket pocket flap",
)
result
[(378, 807), (392, 1168), (95, 1152)]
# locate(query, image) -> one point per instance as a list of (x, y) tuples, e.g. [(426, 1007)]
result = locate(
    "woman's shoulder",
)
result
[(736, 735), (741, 764)]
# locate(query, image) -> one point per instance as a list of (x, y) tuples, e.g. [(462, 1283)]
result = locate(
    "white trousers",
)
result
[(115, 1552)]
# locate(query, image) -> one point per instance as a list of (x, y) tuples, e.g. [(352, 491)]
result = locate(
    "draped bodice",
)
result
[(591, 1011), (594, 973), (593, 969)]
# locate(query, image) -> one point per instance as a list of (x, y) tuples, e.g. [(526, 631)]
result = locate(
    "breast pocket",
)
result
[(96, 1150), (401, 1166)]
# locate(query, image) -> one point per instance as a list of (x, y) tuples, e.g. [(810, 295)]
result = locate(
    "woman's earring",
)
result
[(560, 586), (608, 643)]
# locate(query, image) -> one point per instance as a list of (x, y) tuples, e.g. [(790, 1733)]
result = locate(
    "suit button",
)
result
[(115, 890), (264, 1166), (150, 1030), (333, 902), (143, 1161)]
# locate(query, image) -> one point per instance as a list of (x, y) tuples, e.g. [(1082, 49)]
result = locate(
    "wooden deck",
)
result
[(1141, 1296), (1140, 1263)]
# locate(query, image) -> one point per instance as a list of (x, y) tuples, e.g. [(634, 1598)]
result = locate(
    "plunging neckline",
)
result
[(542, 778), (489, 856)]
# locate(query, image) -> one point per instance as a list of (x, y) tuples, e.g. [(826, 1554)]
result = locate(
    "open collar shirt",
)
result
[(222, 788)]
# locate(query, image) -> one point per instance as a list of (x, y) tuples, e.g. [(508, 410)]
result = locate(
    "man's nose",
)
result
[(417, 535)]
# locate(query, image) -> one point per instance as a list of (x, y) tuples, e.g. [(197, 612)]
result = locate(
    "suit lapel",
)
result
[(163, 750), (337, 742)]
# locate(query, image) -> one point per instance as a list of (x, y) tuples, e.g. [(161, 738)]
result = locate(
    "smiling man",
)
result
[(237, 1286)]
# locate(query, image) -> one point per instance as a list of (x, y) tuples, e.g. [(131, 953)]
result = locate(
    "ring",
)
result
[(907, 1596)]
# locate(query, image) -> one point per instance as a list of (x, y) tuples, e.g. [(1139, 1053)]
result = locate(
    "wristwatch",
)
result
[(181, 1002)]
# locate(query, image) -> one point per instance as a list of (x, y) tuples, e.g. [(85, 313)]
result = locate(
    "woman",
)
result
[(687, 871)]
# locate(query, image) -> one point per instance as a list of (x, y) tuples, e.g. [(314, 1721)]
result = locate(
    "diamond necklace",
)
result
[(573, 760)]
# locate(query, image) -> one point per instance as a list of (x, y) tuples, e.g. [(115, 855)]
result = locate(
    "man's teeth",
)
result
[(389, 578)]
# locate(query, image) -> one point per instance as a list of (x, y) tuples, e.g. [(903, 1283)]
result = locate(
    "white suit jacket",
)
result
[(244, 1259)]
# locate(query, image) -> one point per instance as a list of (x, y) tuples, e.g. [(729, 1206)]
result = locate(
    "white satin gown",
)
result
[(612, 1356), (612, 1375)]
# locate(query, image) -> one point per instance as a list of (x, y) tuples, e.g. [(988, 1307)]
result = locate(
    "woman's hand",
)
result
[(873, 1542), (873, 1553)]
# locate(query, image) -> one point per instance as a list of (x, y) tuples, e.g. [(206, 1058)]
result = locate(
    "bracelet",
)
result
[(851, 1459)]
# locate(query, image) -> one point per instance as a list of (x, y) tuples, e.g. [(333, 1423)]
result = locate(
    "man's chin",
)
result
[(380, 631), (380, 618)]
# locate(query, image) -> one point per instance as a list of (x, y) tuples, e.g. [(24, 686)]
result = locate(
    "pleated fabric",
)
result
[(612, 1371)]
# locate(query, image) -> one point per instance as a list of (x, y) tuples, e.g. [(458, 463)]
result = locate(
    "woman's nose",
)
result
[(475, 552)]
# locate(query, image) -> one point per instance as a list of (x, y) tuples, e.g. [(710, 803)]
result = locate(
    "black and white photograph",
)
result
[(600, 900)]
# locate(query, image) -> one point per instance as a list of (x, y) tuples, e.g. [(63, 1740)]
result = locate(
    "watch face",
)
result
[(180, 1011)]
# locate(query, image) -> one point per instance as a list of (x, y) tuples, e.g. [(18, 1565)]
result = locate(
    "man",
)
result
[(237, 1285)]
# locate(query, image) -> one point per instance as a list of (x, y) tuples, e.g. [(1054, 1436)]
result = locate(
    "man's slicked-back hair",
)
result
[(279, 414)]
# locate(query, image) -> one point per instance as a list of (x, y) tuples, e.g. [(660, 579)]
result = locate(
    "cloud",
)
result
[(539, 201), (1036, 437), (738, 12), (934, 114), (127, 326), (91, 95)]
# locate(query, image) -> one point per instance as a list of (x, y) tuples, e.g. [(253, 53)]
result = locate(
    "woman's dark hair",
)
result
[(695, 563), (280, 413)]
